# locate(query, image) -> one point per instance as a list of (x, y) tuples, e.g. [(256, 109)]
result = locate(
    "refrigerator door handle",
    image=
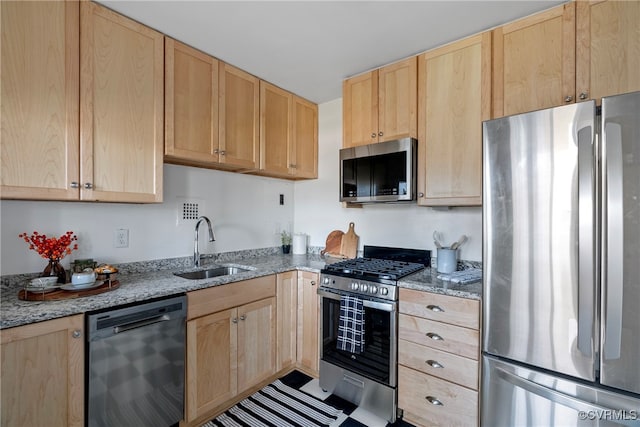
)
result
[(550, 394), (614, 247), (586, 211)]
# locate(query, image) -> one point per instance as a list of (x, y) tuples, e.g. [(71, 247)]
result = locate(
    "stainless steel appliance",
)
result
[(135, 358), (382, 172), (368, 379), (561, 258)]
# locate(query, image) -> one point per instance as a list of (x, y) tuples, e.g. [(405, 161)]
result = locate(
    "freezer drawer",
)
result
[(513, 395)]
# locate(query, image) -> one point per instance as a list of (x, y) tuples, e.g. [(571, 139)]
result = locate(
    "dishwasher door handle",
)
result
[(133, 325)]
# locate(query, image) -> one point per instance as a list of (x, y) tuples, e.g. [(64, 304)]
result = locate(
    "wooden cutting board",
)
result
[(349, 245), (334, 241)]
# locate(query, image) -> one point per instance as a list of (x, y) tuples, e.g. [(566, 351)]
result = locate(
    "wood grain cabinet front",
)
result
[(454, 97), (82, 113), (438, 353), (381, 105), (571, 53), (231, 343), (43, 373)]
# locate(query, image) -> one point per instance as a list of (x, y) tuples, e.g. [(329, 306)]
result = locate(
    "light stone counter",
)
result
[(153, 279)]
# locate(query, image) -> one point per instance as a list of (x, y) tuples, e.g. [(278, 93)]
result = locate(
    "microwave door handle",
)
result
[(614, 246)]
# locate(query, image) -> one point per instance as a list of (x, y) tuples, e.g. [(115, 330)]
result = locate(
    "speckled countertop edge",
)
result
[(142, 281)]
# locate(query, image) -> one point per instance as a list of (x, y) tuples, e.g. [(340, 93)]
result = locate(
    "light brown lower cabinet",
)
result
[(231, 343), (43, 373), (438, 353)]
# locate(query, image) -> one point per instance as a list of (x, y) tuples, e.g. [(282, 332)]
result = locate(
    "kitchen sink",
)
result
[(211, 272)]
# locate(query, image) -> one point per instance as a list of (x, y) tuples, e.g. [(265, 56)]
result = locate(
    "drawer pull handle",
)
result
[(434, 401), (435, 337), (434, 364), (435, 308)]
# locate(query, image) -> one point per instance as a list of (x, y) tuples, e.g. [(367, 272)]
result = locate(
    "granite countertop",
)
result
[(153, 279)]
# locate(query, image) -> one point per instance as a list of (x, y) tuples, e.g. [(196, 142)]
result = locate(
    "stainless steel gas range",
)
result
[(366, 377)]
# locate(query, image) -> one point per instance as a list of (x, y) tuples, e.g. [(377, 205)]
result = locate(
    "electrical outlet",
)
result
[(121, 238)]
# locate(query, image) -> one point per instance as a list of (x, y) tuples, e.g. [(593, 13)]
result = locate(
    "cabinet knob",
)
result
[(216, 151), (434, 364), (568, 98), (584, 95), (243, 317), (313, 283), (234, 320), (434, 401), (380, 133), (373, 135), (222, 153), (76, 333), (88, 185), (420, 194), (434, 337), (75, 184), (435, 308)]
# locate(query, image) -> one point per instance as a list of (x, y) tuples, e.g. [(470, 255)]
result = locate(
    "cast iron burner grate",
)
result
[(373, 267)]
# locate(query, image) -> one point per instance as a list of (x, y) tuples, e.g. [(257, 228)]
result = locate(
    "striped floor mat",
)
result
[(278, 405)]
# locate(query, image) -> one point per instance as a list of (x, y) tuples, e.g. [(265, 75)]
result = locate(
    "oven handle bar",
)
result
[(376, 305)]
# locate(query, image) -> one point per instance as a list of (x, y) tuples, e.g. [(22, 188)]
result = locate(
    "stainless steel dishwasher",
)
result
[(135, 358)]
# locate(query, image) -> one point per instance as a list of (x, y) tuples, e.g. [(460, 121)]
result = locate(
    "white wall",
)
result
[(317, 210), (245, 212)]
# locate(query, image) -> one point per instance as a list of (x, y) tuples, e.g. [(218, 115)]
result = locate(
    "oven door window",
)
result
[(375, 361)]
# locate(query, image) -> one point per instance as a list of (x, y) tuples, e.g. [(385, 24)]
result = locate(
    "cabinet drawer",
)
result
[(441, 336), (459, 405), (443, 308), (222, 297), (441, 364)]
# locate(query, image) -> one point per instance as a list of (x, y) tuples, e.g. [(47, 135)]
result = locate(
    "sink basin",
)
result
[(211, 272)]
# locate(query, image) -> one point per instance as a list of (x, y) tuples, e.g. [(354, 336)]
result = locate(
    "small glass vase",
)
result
[(54, 268)]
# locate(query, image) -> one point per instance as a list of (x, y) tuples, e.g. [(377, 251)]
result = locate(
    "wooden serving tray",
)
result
[(61, 294)]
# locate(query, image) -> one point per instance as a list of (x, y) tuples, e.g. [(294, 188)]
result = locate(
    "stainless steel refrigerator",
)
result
[(561, 259)]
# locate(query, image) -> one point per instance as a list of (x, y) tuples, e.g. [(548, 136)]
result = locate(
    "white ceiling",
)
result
[(309, 47)]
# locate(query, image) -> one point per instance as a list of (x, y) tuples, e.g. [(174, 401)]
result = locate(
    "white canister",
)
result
[(299, 244), (447, 260)]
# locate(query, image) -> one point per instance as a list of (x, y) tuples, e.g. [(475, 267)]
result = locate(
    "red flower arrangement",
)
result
[(51, 247)]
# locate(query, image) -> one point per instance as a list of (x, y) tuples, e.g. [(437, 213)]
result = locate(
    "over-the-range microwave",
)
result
[(382, 172)]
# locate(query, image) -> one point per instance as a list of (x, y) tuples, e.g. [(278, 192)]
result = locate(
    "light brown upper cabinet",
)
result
[(534, 62), (239, 112), (121, 107), (288, 134), (607, 48), (191, 105), (381, 105), (454, 84), (82, 112), (40, 100)]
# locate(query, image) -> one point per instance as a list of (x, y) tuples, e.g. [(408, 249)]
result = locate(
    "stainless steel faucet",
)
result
[(196, 250)]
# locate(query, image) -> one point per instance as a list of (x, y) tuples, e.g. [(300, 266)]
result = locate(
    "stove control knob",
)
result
[(325, 280), (354, 286), (364, 287), (384, 291), (373, 289)]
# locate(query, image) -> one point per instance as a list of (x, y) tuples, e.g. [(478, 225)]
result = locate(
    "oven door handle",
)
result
[(376, 305)]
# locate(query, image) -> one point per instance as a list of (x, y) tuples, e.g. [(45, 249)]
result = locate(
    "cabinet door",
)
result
[(121, 114), (211, 362), (534, 62), (308, 308), (305, 138), (286, 318), (256, 342), (39, 92), (397, 102), (455, 97), (608, 48), (275, 129), (239, 117), (43, 373), (360, 110), (191, 104)]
